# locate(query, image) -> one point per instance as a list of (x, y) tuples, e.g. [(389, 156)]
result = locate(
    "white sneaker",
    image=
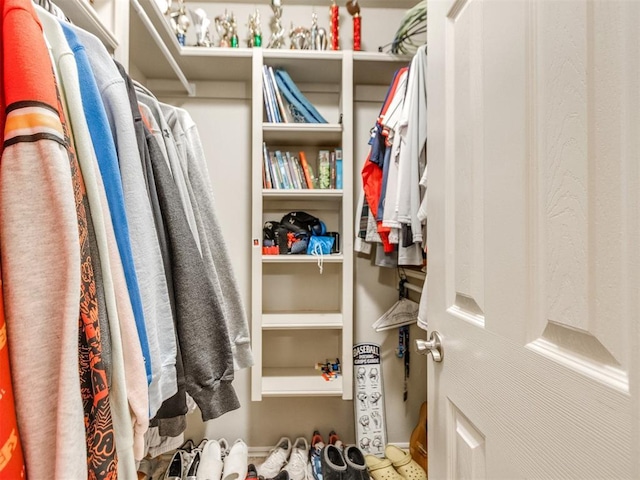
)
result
[(224, 448), (298, 460), (210, 461), (236, 463), (276, 459)]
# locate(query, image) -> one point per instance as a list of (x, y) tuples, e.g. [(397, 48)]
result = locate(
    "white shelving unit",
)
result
[(329, 308)]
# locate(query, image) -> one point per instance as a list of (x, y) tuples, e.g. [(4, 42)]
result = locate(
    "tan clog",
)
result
[(406, 466)]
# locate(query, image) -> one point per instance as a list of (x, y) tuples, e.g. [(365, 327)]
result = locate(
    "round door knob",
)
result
[(432, 346)]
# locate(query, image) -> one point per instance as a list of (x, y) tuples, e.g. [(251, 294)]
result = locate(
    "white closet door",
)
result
[(534, 245)]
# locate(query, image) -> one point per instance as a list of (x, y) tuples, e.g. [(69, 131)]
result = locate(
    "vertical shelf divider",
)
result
[(347, 224), (256, 224)]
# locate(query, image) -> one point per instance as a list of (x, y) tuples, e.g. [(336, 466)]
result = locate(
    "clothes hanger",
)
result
[(141, 88), (403, 312)]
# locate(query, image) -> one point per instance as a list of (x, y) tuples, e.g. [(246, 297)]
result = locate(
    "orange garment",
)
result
[(11, 459)]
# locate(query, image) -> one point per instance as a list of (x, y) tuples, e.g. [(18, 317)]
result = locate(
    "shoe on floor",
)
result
[(276, 459), (314, 470), (176, 466), (356, 465), (210, 461), (224, 448), (235, 463), (192, 468), (252, 472), (333, 465), (298, 460), (335, 440), (282, 475), (404, 463), (381, 468)]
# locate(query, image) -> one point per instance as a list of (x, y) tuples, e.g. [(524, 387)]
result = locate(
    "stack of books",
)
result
[(283, 101), (291, 171)]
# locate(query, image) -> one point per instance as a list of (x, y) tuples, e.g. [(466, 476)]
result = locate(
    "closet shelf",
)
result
[(302, 320), (376, 67), (333, 258), (298, 382), (84, 15), (219, 64), (315, 194), (307, 66), (329, 134)]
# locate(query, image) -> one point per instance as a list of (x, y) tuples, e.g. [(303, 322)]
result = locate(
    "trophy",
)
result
[(277, 30), (201, 23), (300, 37), (180, 23), (335, 25), (223, 27), (255, 32), (317, 36), (233, 31), (354, 9)]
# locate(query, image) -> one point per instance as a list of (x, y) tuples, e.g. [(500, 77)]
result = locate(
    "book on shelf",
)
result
[(301, 107), (290, 171), (324, 170), (306, 169), (283, 100), (266, 170), (279, 103), (293, 180), (270, 102), (332, 169), (275, 171), (301, 179), (283, 170), (339, 185)]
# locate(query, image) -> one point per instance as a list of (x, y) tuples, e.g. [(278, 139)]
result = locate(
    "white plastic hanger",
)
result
[(403, 312)]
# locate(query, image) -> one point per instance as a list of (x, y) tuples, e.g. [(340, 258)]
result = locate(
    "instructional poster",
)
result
[(371, 430)]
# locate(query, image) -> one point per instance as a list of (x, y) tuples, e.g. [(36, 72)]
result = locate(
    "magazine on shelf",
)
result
[(279, 103), (266, 171)]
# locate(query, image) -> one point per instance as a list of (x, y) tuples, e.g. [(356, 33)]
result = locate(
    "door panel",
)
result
[(468, 452), (580, 195), (464, 104), (533, 141)]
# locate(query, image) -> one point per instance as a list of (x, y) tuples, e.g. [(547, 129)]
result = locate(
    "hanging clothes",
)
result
[(395, 171), (41, 283), (123, 324), (144, 242), (129, 224)]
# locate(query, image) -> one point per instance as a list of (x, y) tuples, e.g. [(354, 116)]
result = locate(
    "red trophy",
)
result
[(354, 9), (335, 26)]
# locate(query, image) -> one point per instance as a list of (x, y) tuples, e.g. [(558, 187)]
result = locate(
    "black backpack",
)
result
[(303, 222)]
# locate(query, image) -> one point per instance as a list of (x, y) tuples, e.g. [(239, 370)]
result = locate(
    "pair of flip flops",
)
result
[(397, 465)]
